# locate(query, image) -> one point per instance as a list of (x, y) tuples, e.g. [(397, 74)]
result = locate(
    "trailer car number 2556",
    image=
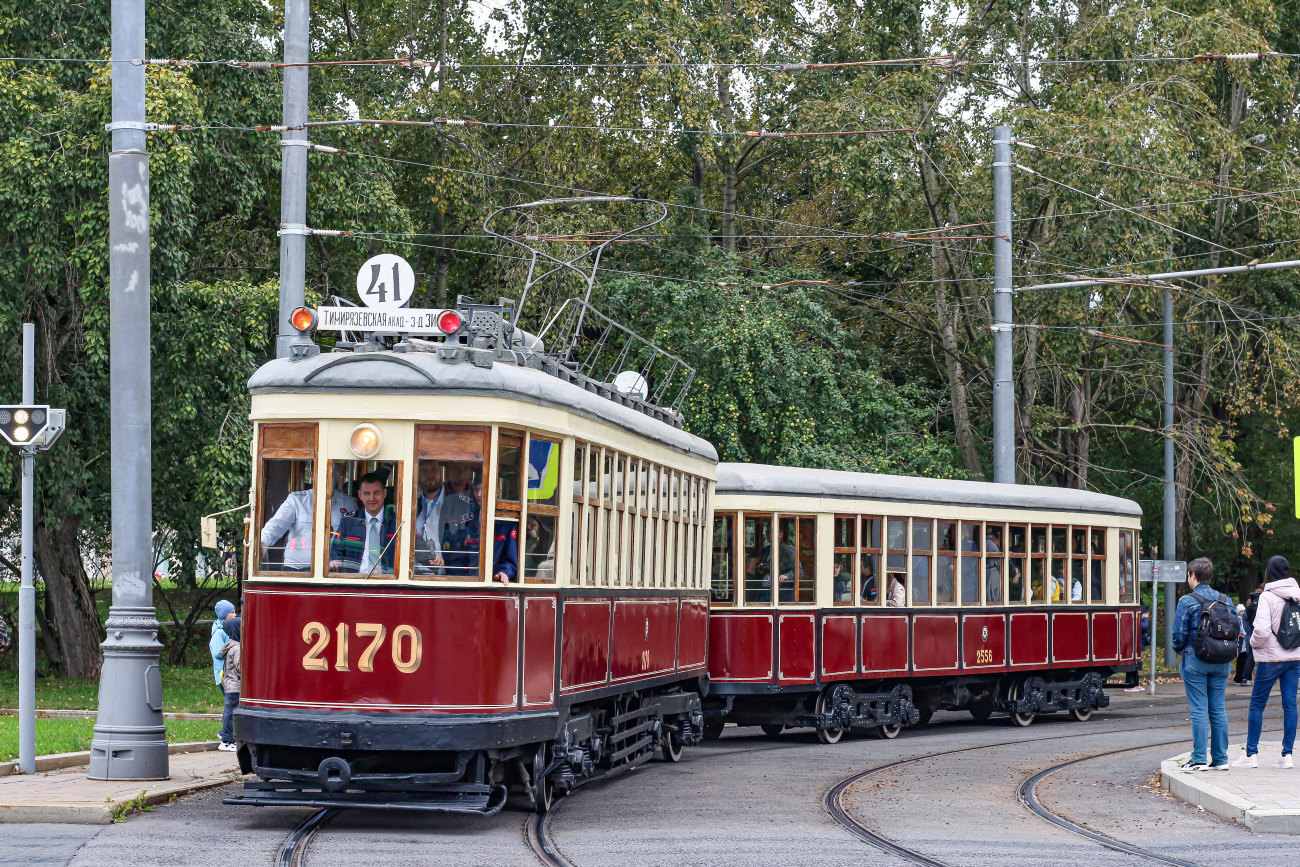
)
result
[(407, 646)]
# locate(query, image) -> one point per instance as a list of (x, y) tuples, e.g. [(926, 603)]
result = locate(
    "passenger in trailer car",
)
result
[(897, 590), (870, 590), (992, 571), (365, 540)]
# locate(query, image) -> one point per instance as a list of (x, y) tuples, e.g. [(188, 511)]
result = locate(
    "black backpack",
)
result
[(1288, 631), (1217, 632)]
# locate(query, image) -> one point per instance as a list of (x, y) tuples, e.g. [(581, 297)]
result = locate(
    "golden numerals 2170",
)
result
[(407, 646)]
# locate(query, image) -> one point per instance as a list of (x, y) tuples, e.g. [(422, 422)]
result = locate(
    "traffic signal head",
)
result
[(20, 425)]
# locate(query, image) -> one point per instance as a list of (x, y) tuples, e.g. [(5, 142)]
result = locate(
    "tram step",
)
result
[(482, 800)]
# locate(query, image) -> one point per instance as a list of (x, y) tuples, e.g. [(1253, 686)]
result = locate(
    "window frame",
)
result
[(419, 453), (319, 516)]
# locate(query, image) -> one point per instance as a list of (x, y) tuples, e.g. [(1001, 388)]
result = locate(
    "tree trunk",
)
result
[(727, 162), (970, 456), (1078, 441), (58, 551)]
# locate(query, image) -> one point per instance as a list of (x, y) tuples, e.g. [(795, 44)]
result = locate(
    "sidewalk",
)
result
[(66, 795), (1262, 799)]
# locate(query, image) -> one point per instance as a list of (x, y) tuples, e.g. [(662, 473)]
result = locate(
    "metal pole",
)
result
[(293, 180), (26, 591), (1169, 551), (1155, 593), (130, 741), (1004, 396)]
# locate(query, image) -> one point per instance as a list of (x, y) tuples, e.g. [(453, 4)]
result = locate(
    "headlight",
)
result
[(366, 441)]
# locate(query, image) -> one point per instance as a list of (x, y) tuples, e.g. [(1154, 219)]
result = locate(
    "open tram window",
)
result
[(286, 501), (870, 588), (542, 512), (1097, 566), (723, 579), (846, 544), (758, 559), (971, 543), (993, 564), (1078, 564), (922, 557), (1017, 548), (445, 533), (365, 542), (945, 560), (576, 523), (798, 537), (1038, 565), (896, 562), (1127, 572)]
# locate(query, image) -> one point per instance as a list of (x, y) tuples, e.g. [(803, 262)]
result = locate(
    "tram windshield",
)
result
[(364, 539), (286, 499), (447, 531)]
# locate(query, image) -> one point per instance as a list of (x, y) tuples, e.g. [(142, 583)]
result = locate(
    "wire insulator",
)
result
[(179, 64), (255, 65), (172, 127), (1257, 55), (330, 233), (414, 63), (763, 134), (276, 128)]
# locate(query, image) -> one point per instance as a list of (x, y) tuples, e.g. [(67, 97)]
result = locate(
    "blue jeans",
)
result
[(1205, 684), (227, 718), (1287, 676)]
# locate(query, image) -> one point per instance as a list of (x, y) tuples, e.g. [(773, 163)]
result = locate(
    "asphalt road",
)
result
[(749, 799)]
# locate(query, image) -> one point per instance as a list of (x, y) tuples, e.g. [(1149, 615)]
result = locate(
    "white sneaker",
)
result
[(1135, 689), (1247, 762), (1284, 764), (227, 748), (1199, 766), (1222, 767)]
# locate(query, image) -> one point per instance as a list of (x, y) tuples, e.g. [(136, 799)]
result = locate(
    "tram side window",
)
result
[(1017, 548), (945, 562), (896, 564), (287, 498), (446, 530), (993, 564), (922, 561), (1127, 572), (365, 541), (724, 560), (1038, 565), (758, 559), (871, 591), (1078, 564), (542, 485), (971, 539), (1097, 571), (796, 561), (846, 543)]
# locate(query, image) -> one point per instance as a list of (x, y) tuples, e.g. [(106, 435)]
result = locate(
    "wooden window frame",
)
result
[(290, 453), (864, 549), (462, 453), (735, 562), (1000, 557), (838, 550), (936, 552), (978, 556), (1094, 557), (398, 541), (1008, 556), (1045, 557)]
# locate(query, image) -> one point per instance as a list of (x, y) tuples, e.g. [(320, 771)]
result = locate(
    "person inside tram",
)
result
[(537, 542), (292, 522), (758, 580), (897, 590), (1076, 590), (842, 579), (1016, 581), (428, 517), (461, 540), (993, 565), (870, 588), (364, 541), (505, 550), (788, 562), (341, 502)]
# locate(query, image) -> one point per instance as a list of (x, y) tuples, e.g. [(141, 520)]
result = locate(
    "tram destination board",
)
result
[(409, 320)]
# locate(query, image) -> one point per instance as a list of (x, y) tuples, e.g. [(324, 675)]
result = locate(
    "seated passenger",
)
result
[(758, 580), (341, 502), (897, 590), (788, 563), (870, 590), (1076, 591), (505, 550), (364, 542), (842, 583), (1016, 582)]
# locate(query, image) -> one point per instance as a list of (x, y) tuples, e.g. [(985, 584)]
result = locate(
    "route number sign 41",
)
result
[(386, 282)]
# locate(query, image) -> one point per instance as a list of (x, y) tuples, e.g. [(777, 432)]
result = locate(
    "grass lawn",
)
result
[(191, 690), (73, 735)]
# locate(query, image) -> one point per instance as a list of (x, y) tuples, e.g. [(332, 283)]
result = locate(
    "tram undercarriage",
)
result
[(458, 763)]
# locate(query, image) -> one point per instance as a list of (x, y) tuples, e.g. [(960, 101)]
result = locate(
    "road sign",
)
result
[(386, 282), (1162, 571), (409, 320), (21, 425)]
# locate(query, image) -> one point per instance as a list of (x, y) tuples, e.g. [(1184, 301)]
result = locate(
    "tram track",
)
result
[(295, 845)]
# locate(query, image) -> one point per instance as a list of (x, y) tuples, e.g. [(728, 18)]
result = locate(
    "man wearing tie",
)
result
[(364, 542)]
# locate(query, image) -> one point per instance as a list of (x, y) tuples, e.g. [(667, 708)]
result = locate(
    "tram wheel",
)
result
[(825, 704), (543, 790), (713, 729), (670, 747), (887, 732), (772, 729), (1021, 719), (981, 711), (1081, 714)]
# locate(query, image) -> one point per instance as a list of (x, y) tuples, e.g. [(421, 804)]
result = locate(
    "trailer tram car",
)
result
[(856, 601), (471, 569)]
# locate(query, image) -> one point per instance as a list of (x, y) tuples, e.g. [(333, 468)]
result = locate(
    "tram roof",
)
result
[(423, 373), (739, 479)]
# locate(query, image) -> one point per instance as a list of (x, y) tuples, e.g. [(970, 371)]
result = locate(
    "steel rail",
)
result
[(537, 831), (295, 846)]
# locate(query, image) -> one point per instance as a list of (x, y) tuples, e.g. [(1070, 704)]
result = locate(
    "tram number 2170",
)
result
[(407, 646)]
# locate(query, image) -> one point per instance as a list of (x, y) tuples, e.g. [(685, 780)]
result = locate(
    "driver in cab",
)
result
[(364, 541)]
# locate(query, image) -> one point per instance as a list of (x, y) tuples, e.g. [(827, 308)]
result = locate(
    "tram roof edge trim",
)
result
[(423, 373), (738, 479)]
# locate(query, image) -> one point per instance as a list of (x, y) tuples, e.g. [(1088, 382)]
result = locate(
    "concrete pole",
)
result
[(27, 591), (1004, 395), (293, 177), (1169, 550), (130, 741)]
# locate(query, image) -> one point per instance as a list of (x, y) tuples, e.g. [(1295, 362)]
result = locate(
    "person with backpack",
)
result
[(1206, 629), (1275, 640)]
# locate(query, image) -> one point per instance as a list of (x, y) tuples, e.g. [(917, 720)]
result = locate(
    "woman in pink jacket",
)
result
[(1273, 662)]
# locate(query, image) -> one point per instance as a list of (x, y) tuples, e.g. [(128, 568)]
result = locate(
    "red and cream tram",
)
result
[(850, 600), (471, 568)]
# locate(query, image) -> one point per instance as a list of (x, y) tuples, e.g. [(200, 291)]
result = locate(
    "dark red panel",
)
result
[(740, 647), (1105, 636), (584, 648), (983, 642), (934, 643), (645, 638), (1128, 630), (693, 634), (839, 645), (797, 654), (539, 651), (1028, 639), (884, 644), (467, 661), (1069, 637)]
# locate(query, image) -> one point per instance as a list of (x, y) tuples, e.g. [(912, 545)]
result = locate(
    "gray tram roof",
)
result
[(737, 479), (423, 373)]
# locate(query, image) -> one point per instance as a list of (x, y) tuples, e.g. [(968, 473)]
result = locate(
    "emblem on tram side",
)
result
[(985, 636)]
